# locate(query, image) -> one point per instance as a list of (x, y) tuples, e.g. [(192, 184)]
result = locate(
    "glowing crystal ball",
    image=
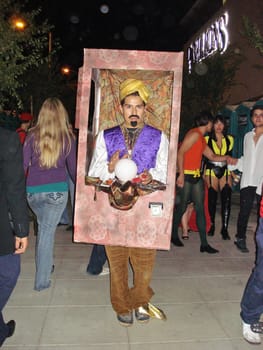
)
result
[(125, 170)]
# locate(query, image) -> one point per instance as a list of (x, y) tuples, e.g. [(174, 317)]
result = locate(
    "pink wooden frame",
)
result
[(96, 221)]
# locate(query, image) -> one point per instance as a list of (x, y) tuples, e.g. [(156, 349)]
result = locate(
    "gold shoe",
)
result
[(141, 315), (152, 311)]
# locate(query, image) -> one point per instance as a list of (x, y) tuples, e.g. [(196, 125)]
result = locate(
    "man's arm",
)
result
[(15, 190), (216, 158), (160, 171), (99, 162)]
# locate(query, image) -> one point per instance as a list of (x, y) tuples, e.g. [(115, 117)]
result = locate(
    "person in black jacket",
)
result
[(14, 223)]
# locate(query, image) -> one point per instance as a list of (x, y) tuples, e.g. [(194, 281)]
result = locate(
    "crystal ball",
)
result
[(125, 170)]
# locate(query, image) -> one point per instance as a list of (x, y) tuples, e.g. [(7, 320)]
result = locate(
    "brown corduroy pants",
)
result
[(124, 298)]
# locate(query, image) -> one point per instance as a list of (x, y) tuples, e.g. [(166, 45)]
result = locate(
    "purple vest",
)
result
[(145, 149)]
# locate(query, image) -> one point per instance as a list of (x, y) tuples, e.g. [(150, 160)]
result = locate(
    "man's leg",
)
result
[(212, 200), (118, 258), (9, 272), (198, 197), (142, 261), (226, 194), (97, 259), (252, 300), (247, 196)]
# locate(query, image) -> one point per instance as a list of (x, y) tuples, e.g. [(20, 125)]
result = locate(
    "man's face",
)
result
[(133, 110), (257, 118)]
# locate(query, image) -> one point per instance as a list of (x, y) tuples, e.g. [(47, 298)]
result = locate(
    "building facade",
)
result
[(224, 30)]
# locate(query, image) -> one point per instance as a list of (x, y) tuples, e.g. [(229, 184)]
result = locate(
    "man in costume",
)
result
[(14, 224), (148, 148), (190, 182), (251, 166)]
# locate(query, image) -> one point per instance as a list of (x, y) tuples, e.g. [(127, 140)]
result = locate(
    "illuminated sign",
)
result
[(214, 39)]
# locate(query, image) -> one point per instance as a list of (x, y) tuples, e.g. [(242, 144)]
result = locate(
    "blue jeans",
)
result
[(65, 219), (97, 259), (48, 207), (252, 301), (9, 272)]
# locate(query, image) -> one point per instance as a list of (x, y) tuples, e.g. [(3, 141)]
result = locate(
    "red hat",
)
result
[(25, 117)]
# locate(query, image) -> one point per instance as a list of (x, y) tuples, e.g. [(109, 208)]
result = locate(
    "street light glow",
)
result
[(65, 70), (18, 23)]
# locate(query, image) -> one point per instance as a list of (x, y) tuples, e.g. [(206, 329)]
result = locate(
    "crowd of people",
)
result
[(48, 162)]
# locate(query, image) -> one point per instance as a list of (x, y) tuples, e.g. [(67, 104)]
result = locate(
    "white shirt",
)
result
[(99, 163), (251, 163)]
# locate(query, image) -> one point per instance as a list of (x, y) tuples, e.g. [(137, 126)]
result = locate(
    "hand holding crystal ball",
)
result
[(125, 170)]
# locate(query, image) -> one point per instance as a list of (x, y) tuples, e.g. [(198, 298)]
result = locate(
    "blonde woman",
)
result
[(49, 152)]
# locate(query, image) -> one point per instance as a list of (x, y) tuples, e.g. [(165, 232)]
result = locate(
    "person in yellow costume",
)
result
[(217, 175)]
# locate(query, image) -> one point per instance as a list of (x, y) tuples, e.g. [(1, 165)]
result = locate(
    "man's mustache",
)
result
[(134, 116)]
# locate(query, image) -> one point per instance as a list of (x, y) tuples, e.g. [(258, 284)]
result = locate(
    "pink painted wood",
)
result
[(96, 221)]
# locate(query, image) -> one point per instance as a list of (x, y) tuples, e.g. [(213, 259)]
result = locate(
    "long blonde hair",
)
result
[(52, 132)]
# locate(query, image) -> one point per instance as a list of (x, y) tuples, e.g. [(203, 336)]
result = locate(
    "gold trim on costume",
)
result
[(195, 172)]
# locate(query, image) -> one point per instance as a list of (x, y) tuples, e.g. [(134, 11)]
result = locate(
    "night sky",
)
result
[(122, 24)]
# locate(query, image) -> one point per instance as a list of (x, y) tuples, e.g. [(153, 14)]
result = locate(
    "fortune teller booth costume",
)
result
[(147, 147), (139, 218)]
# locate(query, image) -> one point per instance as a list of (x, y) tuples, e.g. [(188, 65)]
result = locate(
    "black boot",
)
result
[(212, 199), (225, 210), (208, 249), (177, 242)]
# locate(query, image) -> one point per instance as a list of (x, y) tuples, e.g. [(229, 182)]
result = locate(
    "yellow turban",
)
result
[(130, 86)]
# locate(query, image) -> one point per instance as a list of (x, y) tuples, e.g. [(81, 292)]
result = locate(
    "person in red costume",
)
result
[(26, 120), (190, 183)]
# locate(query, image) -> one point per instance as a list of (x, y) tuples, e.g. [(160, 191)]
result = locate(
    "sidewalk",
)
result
[(199, 293)]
